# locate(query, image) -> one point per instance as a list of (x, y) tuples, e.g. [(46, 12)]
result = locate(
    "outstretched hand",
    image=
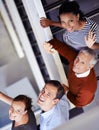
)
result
[(48, 48), (90, 39), (45, 22)]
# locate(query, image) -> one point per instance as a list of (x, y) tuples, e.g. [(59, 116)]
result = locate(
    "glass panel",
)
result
[(88, 6), (48, 2), (7, 51)]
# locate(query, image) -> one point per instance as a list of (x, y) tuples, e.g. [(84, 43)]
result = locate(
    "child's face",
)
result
[(69, 21)]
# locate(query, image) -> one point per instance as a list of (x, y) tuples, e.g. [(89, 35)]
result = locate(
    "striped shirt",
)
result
[(76, 39)]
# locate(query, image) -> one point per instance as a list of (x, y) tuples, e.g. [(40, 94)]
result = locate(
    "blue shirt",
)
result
[(56, 116)]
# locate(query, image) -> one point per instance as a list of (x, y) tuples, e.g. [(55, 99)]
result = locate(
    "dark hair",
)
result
[(26, 100), (71, 7), (60, 89)]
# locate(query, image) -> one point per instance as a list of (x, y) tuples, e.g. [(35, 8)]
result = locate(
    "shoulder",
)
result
[(90, 21), (31, 115), (65, 33), (93, 25), (32, 119), (64, 102)]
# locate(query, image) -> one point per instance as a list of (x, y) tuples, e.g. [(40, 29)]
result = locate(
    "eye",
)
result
[(83, 62), (71, 20), (18, 111), (48, 94)]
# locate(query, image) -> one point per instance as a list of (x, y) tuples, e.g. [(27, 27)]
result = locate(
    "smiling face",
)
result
[(82, 63), (70, 22), (17, 111), (46, 99)]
